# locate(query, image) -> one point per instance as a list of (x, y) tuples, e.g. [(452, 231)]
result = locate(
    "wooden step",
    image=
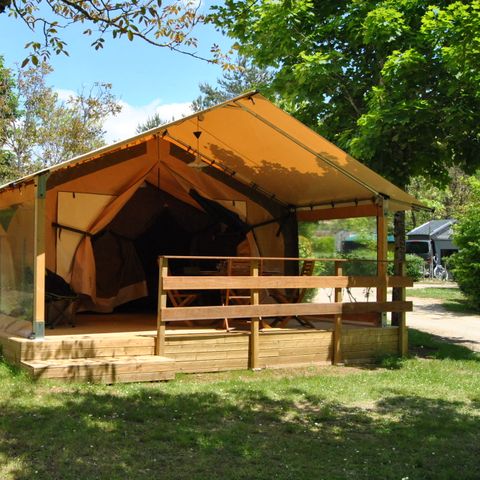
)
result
[(88, 347), (140, 368)]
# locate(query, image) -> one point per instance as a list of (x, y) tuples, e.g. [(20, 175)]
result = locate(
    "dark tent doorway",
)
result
[(154, 223)]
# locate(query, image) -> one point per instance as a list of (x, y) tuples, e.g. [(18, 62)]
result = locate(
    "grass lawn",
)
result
[(453, 299), (449, 293), (402, 419)]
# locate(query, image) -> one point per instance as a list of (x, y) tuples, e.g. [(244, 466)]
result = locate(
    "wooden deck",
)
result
[(120, 348), (127, 347)]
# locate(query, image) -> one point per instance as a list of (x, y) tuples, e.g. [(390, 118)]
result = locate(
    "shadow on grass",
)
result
[(426, 345), (237, 434)]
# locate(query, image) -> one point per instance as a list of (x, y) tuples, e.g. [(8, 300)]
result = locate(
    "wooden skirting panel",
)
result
[(367, 344), (114, 358), (295, 349), (208, 353), (230, 351)]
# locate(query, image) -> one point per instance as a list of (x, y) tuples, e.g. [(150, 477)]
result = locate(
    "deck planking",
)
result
[(121, 349)]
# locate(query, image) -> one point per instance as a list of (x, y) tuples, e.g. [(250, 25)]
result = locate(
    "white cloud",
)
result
[(124, 124), (64, 95)]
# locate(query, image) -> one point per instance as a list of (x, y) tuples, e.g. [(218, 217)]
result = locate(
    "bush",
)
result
[(360, 264), (414, 267), (324, 246), (466, 262), (414, 264)]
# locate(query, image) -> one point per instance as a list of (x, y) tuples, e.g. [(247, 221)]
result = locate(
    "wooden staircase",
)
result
[(96, 358)]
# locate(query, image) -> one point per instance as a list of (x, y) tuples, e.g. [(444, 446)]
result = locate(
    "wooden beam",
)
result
[(39, 257), (403, 332), (162, 307), (279, 282), (279, 310), (334, 213), (254, 326), (337, 335), (382, 253)]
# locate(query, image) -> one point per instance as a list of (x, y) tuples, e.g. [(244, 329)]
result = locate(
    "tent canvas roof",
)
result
[(262, 146)]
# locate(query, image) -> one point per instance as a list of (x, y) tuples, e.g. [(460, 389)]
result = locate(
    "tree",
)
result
[(447, 202), (466, 262), (394, 83), (168, 25), (8, 114), (151, 122), (45, 130), (242, 77)]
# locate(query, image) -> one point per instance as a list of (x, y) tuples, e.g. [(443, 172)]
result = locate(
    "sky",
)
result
[(145, 79)]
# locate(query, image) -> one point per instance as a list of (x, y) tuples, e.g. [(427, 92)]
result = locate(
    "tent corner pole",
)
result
[(38, 320), (382, 252)]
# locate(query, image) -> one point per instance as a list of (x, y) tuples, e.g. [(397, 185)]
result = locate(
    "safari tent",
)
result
[(230, 182)]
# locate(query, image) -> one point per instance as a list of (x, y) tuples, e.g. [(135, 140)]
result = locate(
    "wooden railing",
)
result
[(258, 280)]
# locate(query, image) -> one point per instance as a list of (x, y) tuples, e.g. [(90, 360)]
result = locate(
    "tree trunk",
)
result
[(414, 219), (399, 234)]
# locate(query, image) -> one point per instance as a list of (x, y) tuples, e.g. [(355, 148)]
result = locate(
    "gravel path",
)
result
[(430, 316)]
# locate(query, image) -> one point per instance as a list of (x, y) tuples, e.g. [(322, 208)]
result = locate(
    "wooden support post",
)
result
[(254, 326), (337, 334), (402, 327), (382, 254), (162, 303), (39, 258)]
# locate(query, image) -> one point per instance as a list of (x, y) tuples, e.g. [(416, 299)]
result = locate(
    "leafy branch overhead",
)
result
[(395, 83), (167, 25)]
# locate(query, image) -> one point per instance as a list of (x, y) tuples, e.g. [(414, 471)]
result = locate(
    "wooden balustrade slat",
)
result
[(337, 336), (255, 321)]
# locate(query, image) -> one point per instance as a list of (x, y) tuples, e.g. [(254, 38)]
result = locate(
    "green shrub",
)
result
[(466, 262), (360, 263), (414, 267), (323, 246)]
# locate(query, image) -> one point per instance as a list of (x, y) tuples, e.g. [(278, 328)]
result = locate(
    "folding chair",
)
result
[(61, 301), (182, 299)]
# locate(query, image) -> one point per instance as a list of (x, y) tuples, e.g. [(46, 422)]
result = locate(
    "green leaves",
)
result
[(383, 25), (46, 130), (466, 262), (396, 83)]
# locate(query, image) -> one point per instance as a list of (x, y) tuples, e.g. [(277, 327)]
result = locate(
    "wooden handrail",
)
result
[(261, 259)]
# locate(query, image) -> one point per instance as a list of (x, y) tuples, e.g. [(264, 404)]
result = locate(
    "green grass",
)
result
[(416, 418), (448, 293), (453, 299)]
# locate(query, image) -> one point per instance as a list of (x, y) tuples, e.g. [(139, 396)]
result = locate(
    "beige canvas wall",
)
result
[(89, 202), (17, 251)]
